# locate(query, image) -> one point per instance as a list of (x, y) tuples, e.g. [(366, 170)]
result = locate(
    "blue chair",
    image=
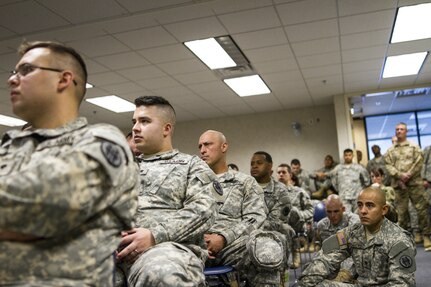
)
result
[(319, 211), (221, 276)]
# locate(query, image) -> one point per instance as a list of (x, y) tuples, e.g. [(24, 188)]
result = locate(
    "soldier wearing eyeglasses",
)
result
[(67, 189)]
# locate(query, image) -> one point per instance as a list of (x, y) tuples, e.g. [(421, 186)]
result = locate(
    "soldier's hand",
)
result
[(344, 276), (215, 243), (136, 241), (405, 177), (426, 184)]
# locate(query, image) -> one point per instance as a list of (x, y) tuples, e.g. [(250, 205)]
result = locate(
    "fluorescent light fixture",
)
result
[(113, 103), (89, 86), (403, 65), (248, 86), (211, 53), (412, 23), (352, 111), (10, 121)]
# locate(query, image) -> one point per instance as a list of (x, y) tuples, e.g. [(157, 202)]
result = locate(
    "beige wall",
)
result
[(360, 139), (271, 132)]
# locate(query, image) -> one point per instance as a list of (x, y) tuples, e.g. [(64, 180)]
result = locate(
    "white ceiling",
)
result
[(306, 51)]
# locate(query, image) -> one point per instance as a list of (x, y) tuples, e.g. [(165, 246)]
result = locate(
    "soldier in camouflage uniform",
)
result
[(302, 175), (378, 162), (383, 253), (242, 211), (322, 179), (404, 163), (349, 179), (277, 198), (426, 175), (67, 188), (176, 205)]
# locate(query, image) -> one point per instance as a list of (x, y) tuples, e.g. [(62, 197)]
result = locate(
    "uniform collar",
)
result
[(159, 156)]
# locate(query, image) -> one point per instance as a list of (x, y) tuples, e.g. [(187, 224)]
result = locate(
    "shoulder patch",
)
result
[(342, 239), (406, 261), (112, 153), (217, 187), (330, 244)]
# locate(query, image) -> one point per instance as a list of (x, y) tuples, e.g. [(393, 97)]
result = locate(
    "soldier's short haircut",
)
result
[(289, 170), (77, 63), (347, 150), (381, 194), (159, 102), (295, 161), (267, 156)]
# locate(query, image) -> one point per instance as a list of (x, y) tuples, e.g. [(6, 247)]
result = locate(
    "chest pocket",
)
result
[(163, 187), (233, 195)]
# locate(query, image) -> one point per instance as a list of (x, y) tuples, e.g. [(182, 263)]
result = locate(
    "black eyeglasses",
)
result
[(27, 68)]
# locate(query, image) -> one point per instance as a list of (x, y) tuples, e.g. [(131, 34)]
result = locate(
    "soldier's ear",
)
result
[(385, 209)]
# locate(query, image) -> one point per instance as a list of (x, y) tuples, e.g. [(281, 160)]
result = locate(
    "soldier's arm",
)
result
[(198, 212), (323, 266), (418, 161), (402, 265), (254, 212), (365, 176), (425, 172), (58, 193), (390, 164)]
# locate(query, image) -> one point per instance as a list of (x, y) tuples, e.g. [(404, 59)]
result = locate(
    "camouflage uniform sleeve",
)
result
[(365, 176), (426, 169), (390, 164), (254, 212), (333, 174), (402, 265), (58, 193), (416, 167), (323, 266), (198, 212), (306, 209)]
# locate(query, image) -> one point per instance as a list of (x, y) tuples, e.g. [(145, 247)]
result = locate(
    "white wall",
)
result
[(270, 132)]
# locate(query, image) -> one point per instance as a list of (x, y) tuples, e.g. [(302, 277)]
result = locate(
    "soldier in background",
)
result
[(322, 179), (378, 162), (67, 188), (426, 175), (176, 205), (302, 175), (404, 163), (383, 253), (349, 179), (236, 239)]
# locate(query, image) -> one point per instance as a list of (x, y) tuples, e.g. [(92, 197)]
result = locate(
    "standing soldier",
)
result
[(378, 162), (404, 163), (349, 179), (426, 175), (67, 188)]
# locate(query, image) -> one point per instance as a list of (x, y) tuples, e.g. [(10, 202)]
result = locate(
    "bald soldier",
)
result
[(235, 238), (383, 252)]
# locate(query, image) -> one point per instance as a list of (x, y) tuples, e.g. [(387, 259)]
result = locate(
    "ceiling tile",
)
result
[(326, 90), (5, 33), (93, 67), (259, 39), (40, 17), (150, 5), (79, 11), (146, 38), (99, 46), (397, 81), (424, 78), (105, 79), (174, 91), (321, 71), (141, 73), (208, 87), (409, 47), (319, 60), (325, 80), (367, 53), (185, 66), (183, 13), (123, 88), (276, 66), (168, 53), (196, 29), (366, 39), (129, 23), (250, 20), (288, 76), (236, 109), (360, 66), (229, 6), (307, 11), (362, 77), (75, 33), (351, 7), (8, 61), (197, 77), (313, 30), (367, 22), (122, 60), (158, 83), (316, 46), (268, 53)]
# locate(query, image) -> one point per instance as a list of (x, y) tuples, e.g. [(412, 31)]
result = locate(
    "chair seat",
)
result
[(218, 270)]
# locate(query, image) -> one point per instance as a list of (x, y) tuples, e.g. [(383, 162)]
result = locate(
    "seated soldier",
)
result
[(235, 238), (383, 252), (322, 179)]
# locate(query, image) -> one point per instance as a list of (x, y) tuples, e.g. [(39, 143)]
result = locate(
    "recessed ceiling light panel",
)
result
[(412, 23), (248, 86), (10, 121), (403, 65), (113, 103)]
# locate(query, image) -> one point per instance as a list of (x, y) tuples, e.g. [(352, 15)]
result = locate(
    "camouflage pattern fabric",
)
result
[(176, 203), (73, 188), (349, 180), (302, 208), (406, 157), (304, 180), (376, 163), (387, 259)]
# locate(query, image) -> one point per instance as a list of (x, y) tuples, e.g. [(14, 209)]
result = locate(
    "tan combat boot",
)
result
[(427, 243), (418, 238), (318, 194), (296, 260)]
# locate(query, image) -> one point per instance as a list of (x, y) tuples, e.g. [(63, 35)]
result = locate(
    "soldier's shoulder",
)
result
[(280, 186), (107, 132)]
